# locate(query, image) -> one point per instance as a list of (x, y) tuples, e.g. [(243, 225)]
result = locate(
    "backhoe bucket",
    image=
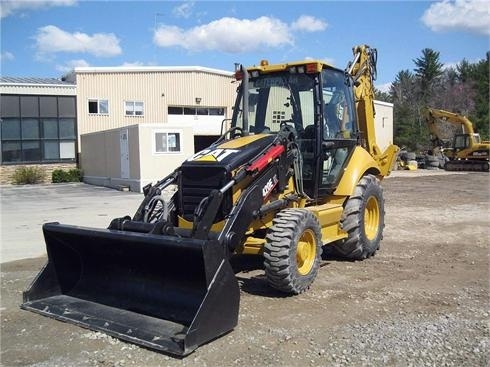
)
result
[(166, 293)]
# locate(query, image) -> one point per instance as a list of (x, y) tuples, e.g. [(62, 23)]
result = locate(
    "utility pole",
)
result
[(155, 23), (154, 31)]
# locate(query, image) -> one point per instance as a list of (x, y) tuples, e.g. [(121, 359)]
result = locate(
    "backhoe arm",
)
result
[(363, 72)]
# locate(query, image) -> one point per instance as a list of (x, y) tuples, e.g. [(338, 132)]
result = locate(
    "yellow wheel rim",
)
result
[(371, 218), (306, 252)]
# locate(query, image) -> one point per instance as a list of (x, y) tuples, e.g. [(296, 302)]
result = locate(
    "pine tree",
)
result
[(428, 71)]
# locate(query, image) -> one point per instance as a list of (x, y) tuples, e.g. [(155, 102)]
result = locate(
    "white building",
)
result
[(137, 124), (383, 121)]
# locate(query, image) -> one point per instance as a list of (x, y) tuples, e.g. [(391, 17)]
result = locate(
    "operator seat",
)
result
[(307, 148), (332, 125)]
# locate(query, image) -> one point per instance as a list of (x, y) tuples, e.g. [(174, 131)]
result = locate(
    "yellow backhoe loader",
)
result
[(297, 167), (466, 151)]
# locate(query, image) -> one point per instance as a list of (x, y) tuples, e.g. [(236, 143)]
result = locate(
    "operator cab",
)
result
[(314, 104), (464, 141)]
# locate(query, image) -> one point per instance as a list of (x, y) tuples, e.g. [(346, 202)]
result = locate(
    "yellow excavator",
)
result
[(461, 145), (296, 168)]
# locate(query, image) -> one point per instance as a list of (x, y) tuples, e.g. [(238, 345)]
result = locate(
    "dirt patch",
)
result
[(423, 299)]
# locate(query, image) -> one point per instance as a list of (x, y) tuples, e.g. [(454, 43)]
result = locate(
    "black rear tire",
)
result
[(293, 250), (363, 220)]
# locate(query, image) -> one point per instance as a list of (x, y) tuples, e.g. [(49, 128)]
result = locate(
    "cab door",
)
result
[(339, 129)]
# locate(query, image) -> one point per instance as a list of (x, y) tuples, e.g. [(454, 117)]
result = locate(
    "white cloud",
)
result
[(384, 87), (135, 63), (12, 7), (308, 23), (467, 15), (72, 64), (184, 10), (227, 34), (7, 56), (327, 60), (167, 35), (449, 65), (233, 35), (51, 39)]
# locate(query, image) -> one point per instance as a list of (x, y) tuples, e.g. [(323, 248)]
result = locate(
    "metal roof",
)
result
[(33, 81), (140, 69), (9, 80)]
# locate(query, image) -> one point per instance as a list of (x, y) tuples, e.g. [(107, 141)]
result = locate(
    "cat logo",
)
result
[(215, 155)]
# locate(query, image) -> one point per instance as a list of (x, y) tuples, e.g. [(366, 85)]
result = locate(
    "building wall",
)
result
[(383, 124), (50, 90), (101, 155), (6, 172), (155, 166), (157, 88)]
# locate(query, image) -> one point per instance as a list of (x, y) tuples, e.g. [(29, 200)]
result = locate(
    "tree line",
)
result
[(463, 89)]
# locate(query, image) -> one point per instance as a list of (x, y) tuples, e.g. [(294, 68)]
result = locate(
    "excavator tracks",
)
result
[(469, 166)]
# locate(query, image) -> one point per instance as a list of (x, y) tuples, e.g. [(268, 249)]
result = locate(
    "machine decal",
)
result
[(212, 155), (269, 186)]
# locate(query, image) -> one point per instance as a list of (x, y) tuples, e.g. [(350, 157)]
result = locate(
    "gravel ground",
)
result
[(423, 300)]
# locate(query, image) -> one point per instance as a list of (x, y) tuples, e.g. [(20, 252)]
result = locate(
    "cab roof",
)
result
[(310, 65)]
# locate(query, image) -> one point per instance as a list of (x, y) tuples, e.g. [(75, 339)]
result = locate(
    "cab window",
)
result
[(338, 106)]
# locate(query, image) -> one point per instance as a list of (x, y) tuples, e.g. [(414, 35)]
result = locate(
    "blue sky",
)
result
[(48, 38)]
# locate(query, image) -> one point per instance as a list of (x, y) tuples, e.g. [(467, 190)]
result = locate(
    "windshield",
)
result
[(287, 98), (338, 103), (461, 141), (276, 99)]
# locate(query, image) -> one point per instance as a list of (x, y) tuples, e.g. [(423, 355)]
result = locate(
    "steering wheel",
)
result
[(326, 130), (284, 125), (288, 130)]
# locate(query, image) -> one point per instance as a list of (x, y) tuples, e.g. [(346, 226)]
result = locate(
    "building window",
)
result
[(44, 136), (37, 140), (58, 139), (98, 106), (134, 108), (175, 110), (167, 142), (10, 129), (216, 111), (203, 111)]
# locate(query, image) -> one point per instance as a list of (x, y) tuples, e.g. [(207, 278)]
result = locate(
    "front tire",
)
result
[(292, 251), (363, 220)]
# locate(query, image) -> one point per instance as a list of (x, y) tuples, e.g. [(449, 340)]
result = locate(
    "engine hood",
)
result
[(233, 153)]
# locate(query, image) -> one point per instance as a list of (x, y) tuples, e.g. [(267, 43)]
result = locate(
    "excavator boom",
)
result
[(467, 152)]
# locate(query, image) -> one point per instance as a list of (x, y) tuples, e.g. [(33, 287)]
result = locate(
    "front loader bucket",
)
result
[(166, 293)]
